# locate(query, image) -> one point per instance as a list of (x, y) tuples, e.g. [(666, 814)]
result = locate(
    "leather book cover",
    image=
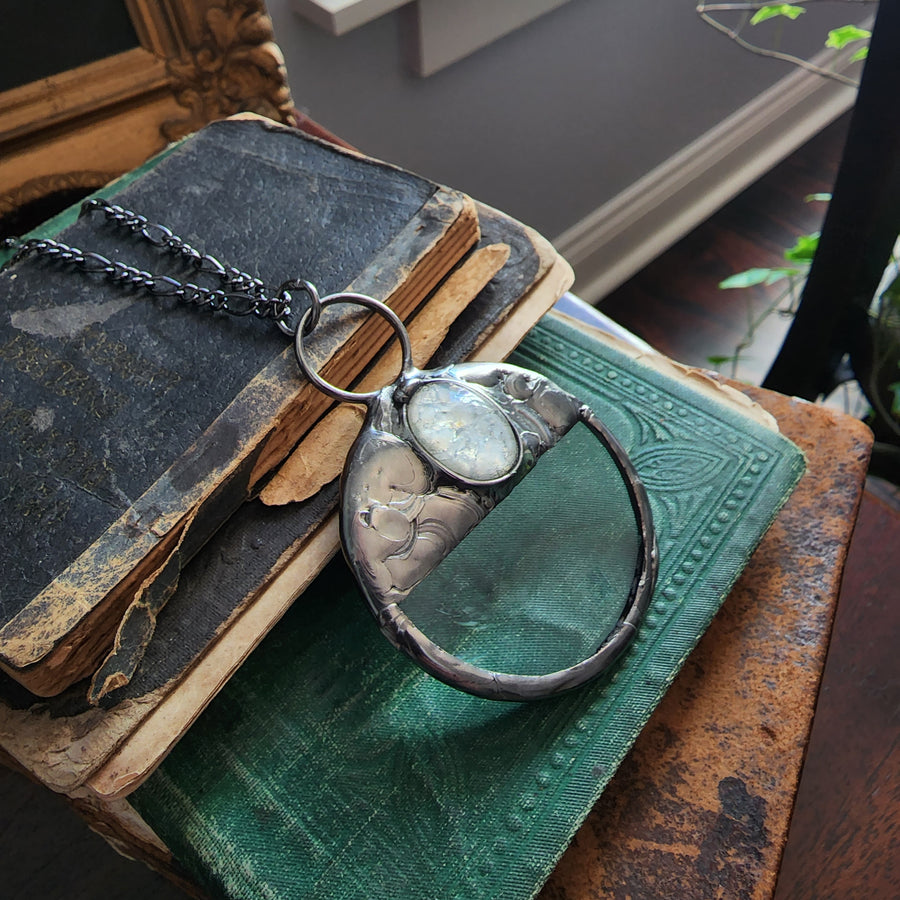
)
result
[(133, 426), (244, 578)]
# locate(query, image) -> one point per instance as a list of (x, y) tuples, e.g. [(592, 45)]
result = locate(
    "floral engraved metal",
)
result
[(438, 450), (403, 511)]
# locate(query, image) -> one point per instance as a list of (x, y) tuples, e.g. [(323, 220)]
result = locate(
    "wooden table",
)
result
[(701, 806)]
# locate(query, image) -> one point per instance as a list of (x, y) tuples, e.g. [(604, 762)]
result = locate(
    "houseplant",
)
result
[(847, 321)]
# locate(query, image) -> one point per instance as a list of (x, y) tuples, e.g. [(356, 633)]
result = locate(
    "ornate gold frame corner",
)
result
[(198, 60)]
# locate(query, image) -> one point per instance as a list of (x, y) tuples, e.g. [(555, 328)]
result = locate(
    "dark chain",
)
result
[(240, 294)]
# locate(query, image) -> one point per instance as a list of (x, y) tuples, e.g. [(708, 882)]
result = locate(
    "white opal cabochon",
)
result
[(462, 430)]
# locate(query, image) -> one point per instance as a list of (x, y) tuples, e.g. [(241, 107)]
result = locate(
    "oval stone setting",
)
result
[(464, 432)]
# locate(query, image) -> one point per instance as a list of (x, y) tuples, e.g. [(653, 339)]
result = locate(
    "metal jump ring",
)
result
[(314, 311), (325, 387)]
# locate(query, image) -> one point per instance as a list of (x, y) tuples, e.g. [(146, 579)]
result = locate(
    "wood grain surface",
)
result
[(675, 302), (845, 836)]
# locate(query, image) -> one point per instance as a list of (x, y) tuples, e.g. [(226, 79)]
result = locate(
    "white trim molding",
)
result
[(340, 16), (443, 33), (438, 33), (618, 239)]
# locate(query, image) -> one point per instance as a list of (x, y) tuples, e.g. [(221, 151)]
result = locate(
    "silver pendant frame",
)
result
[(403, 510)]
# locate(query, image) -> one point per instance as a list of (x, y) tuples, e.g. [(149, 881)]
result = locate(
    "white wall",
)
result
[(552, 122)]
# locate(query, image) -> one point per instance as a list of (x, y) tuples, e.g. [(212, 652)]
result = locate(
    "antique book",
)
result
[(135, 427), (329, 765), (241, 582)]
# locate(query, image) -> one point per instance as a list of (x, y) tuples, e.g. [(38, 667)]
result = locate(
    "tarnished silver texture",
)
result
[(403, 512), (404, 509)]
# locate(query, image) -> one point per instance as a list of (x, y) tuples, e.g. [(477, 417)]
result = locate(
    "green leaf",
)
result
[(895, 404), (771, 10), (719, 360), (805, 248), (846, 34), (746, 279), (891, 294), (757, 276), (810, 198), (862, 53)]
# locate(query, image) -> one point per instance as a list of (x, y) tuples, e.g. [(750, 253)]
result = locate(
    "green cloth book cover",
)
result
[(331, 767)]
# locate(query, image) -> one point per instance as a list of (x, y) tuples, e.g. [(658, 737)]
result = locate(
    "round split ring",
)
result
[(308, 322), (315, 306)]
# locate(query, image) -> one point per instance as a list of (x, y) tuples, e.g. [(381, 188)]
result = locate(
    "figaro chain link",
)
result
[(240, 294)]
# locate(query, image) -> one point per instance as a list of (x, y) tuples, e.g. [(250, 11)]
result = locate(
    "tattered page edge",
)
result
[(20, 654), (146, 747)]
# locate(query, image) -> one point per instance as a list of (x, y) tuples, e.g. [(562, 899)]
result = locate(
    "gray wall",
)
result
[(551, 121)]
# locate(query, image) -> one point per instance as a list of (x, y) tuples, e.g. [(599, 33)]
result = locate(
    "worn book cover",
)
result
[(134, 427), (331, 766), (241, 582)]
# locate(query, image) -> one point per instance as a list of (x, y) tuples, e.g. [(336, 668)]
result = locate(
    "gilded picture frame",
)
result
[(198, 60)]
